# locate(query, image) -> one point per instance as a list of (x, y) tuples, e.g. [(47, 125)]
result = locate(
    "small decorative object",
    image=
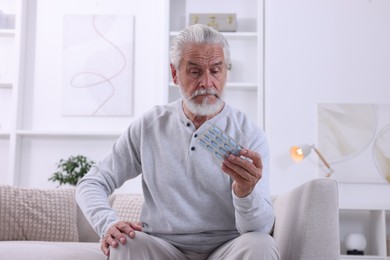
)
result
[(71, 170), (221, 22), (355, 244)]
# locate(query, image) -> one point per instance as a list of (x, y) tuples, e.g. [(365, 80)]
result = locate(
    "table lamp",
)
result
[(298, 153)]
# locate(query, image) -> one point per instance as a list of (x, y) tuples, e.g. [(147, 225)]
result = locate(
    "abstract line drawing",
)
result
[(355, 139), (97, 65)]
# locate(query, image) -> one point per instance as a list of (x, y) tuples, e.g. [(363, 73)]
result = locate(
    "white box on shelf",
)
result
[(222, 22)]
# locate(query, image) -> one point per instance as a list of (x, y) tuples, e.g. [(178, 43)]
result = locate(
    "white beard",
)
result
[(203, 109)]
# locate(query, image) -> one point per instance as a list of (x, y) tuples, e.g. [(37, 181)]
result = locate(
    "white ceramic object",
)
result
[(355, 241)]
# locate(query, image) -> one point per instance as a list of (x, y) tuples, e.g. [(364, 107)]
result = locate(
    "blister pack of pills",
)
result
[(219, 143)]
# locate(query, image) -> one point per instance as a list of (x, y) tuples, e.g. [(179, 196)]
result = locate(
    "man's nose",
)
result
[(206, 80)]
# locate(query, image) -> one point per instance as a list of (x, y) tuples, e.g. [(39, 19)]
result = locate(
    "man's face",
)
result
[(202, 77)]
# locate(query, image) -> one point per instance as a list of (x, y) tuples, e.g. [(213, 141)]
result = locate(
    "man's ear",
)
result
[(174, 74)]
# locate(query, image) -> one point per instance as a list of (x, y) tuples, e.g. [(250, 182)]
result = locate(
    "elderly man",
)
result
[(197, 206)]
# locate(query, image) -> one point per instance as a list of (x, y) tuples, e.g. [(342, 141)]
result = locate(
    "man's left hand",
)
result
[(245, 173)]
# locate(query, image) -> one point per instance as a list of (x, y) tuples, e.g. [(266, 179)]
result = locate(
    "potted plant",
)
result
[(71, 170)]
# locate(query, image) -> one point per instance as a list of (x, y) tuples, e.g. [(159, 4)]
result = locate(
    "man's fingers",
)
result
[(105, 248), (238, 166), (245, 170), (114, 234), (126, 228), (254, 156), (129, 228), (249, 162), (117, 234), (136, 225), (132, 228)]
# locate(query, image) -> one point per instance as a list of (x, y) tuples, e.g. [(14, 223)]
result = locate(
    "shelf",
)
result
[(4, 135), (7, 33), (241, 86), (5, 85), (249, 86), (360, 257), (230, 35), (50, 133)]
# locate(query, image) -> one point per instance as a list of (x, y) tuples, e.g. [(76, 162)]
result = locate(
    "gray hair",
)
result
[(198, 34)]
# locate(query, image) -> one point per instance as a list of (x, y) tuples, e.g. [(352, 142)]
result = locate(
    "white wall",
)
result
[(322, 52)]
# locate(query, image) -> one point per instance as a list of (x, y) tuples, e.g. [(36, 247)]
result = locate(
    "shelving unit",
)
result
[(244, 89), (10, 46), (374, 224)]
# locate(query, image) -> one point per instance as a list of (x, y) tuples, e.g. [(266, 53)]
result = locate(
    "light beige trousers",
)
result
[(249, 246)]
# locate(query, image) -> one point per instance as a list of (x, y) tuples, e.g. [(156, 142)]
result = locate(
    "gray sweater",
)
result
[(188, 198)]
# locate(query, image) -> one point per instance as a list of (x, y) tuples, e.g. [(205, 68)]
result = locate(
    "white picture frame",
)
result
[(98, 65), (355, 140)]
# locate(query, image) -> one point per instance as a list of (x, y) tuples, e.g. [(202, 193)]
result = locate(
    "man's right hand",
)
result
[(116, 234)]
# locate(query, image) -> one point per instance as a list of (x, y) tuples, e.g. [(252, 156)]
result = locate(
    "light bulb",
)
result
[(297, 153)]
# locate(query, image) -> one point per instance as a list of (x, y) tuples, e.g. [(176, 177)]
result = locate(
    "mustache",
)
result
[(201, 92)]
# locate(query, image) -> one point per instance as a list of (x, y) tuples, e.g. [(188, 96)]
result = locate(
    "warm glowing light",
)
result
[(297, 153)]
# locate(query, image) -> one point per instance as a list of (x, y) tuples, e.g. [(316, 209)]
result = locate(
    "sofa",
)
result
[(47, 224)]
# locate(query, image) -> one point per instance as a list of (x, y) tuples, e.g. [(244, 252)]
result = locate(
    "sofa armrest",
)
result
[(307, 221), (86, 232)]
